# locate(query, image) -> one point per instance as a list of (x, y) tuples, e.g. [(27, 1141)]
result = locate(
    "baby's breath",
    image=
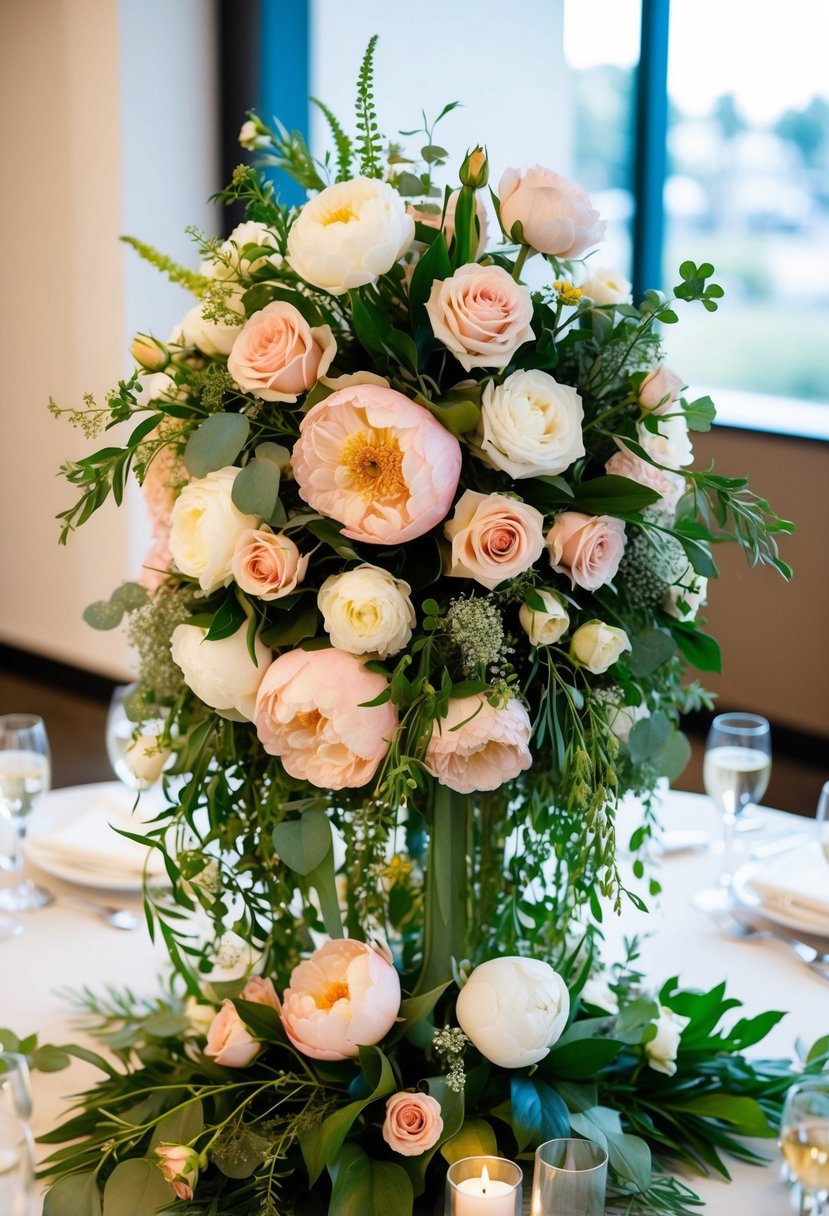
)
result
[(149, 632), (450, 1044), (652, 562), (476, 628)]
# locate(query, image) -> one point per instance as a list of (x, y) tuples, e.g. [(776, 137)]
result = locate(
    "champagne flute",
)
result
[(736, 774), (822, 820), (804, 1141), (25, 774)]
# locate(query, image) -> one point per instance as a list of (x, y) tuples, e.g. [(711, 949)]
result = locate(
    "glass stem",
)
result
[(19, 836), (729, 832)]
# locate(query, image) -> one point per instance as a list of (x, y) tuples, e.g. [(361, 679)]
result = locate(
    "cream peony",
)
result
[(660, 388), (544, 628), (479, 747), (493, 538), (606, 287), (413, 1123), (662, 1050), (221, 673), (481, 315), (669, 486), (597, 646), (210, 337), (513, 1009), (366, 611), (672, 445), (377, 462), (277, 355), (205, 527), (349, 234), (557, 217), (588, 548), (229, 1042), (267, 564), (344, 997), (530, 425), (311, 712)]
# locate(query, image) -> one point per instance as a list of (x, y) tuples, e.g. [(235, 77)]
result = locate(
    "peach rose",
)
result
[(344, 997), (660, 387), (493, 537), (179, 1165), (261, 992), (670, 486), (588, 548), (413, 1123), (557, 217), (267, 564), (481, 315), (277, 354), (478, 747), (310, 712), (229, 1042), (377, 462)]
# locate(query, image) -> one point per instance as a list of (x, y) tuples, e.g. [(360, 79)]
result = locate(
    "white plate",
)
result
[(61, 806), (801, 919)]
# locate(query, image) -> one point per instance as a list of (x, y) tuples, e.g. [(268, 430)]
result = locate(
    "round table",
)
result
[(68, 945)]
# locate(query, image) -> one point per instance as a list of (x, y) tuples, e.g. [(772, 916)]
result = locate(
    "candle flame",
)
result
[(484, 1179)]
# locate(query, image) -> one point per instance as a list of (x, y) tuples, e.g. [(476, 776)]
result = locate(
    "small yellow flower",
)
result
[(568, 293), (398, 869)]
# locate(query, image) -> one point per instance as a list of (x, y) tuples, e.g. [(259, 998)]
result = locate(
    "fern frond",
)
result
[(342, 142), (369, 139), (174, 271)]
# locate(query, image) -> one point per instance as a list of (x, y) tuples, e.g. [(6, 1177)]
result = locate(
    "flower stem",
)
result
[(519, 264), (446, 904)]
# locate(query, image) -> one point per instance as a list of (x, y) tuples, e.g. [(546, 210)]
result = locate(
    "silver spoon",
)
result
[(116, 918)]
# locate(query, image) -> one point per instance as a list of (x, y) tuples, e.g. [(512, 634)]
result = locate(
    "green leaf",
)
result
[(136, 1188), (130, 596), (744, 1113), (537, 1112), (408, 184), (364, 1187), (475, 1139), (433, 264), (49, 1059), (303, 843), (230, 616), (256, 488), (321, 1146), (580, 1060), (181, 1126), (241, 1155), (700, 414), (701, 650), (612, 495), (292, 627), (414, 1009), (432, 153), (216, 443), (629, 1155), (262, 1020), (458, 415), (78, 1195), (650, 649)]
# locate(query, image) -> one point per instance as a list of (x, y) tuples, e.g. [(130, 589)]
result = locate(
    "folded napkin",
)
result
[(797, 882), (89, 842)]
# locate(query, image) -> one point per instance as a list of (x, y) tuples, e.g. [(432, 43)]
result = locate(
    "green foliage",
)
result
[(174, 271), (216, 443), (108, 614), (343, 144), (369, 139)]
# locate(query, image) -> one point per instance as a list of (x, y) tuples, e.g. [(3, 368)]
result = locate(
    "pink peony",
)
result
[(261, 992), (481, 315), (277, 355), (557, 217), (344, 997), (310, 712), (229, 1042), (670, 486), (478, 747), (660, 388), (267, 565), (377, 462), (493, 537), (586, 547), (413, 1123)]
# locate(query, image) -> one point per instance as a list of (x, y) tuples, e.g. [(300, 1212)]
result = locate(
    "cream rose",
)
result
[(514, 1009), (481, 315), (205, 527), (660, 388), (663, 1048), (413, 1123), (672, 445), (278, 355), (221, 673), (556, 217), (530, 425), (597, 646), (544, 628), (366, 611), (210, 337), (493, 538), (349, 235), (606, 287), (267, 564), (588, 548)]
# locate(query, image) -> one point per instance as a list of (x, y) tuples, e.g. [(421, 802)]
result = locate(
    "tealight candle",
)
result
[(483, 1186)]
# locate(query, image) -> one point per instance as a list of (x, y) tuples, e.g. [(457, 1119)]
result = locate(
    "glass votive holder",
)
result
[(483, 1186), (15, 1086), (570, 1179)]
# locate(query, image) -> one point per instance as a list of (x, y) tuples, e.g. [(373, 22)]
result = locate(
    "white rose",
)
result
[(661, 1050), (513, 1009), (607, 287), (366, 611), (597, 646), (672, 446), (530, 425), (205, 526), (229, 261), (210, 337), (687, 596), (251, 137), (199, 1015), (622, 718), (597, 991), (144, 758), (545, 628), (349, 235), (221, 673)]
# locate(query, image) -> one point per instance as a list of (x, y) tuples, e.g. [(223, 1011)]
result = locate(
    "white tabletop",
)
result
[(68, 945)]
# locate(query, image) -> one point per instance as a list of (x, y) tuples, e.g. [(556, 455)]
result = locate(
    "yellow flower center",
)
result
[(310, 720), (342, 215), (375, 462), (568, 292), (333, 993)]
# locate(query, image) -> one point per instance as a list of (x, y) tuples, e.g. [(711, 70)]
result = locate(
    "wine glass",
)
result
[(25, 774), (804, 1141), (822, 819), (133, 732), (736, 774)]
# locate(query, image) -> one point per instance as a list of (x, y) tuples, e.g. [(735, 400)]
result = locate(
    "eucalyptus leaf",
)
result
[(75, 1195), (365, 1187), (303, 843), (537, 1112), (136, 1188), (216, 443), (256, 488), (181, 1126), (650, 649), (239, 1154)]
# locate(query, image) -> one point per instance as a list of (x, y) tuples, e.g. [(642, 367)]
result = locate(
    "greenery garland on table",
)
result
[(428, 562)]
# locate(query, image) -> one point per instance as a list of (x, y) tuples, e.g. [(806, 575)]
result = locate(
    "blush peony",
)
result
[(310, 712), (556, 217), (481, 315), (277, 355), (493, 538), (344, 997), (377, 462), (588, 548), (478, 746)]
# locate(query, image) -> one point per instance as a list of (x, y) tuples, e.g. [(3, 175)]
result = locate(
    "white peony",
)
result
[(662, 1050), (672, 446), (513, 1009), (597, 646), (349, 235), (545, 628), (366, 611), (606, 287), (229, 261), (687, 596), (530, 425), (221, 673), (210, 337), (205, 526)]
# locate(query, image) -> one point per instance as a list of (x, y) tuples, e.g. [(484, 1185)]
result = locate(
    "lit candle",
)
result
[(484, 1196)]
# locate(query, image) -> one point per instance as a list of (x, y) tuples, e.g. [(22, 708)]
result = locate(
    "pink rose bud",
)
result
[(660, 388), (475, 169), (413, 1123), (261, 992), (179, 1166), (229, 1042), (149, 353)]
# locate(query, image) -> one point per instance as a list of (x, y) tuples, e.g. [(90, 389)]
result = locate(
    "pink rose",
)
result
[(267, 564), (660, 388), (179, 1166), (670, 486), (229, 1042), (493, 537), (478, 747), (413, 1123), (377, 462), (277, 354), (481, 315), (261, 992), (310, 712), (431, 219), (557, 217), (586, 547), (344, 997)]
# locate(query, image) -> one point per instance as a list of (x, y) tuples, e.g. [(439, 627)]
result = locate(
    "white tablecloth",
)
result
[(66, 946)]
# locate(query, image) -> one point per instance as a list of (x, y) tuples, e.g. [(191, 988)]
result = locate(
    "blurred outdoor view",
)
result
[(747, 183)]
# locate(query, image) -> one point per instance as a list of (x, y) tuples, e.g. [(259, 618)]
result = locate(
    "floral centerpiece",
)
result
[(428, 559)]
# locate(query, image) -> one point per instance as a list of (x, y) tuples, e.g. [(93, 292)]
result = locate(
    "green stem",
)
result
[(446, 901), (519, 265)]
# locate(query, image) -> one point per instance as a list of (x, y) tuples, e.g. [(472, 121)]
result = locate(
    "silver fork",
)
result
[(742, 928)]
